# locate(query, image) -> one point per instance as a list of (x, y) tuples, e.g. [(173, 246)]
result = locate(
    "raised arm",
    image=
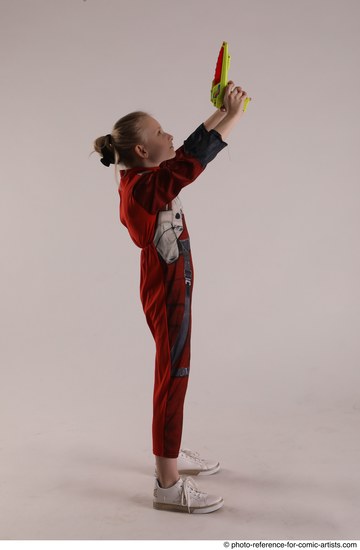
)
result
[(160, 186)]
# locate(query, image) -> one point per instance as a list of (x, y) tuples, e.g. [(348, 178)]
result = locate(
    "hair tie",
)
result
[(108, 156)]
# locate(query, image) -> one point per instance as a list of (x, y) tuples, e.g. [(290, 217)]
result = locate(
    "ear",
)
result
[(141, 151)]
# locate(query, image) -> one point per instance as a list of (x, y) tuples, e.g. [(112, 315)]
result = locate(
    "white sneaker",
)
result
[(190, 463), (184, 496)]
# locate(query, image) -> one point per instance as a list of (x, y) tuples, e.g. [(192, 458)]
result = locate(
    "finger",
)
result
[(239, 92), (235, 91), (229, 87)]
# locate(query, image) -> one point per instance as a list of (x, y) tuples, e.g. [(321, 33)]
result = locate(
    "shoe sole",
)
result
[(200, 472), (186, 510)]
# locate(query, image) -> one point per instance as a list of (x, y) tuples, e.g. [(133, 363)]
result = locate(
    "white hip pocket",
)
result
[(165, 241), (168, 229)]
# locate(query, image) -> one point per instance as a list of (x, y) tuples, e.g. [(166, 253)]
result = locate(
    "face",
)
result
[(157, 145)]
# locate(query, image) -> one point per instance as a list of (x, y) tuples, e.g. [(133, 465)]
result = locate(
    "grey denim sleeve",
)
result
[(204, 145)]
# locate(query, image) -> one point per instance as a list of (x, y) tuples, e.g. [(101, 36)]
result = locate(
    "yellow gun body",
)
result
[(220, 80)]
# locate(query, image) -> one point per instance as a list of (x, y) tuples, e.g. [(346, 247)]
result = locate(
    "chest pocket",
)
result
[(168, 229)]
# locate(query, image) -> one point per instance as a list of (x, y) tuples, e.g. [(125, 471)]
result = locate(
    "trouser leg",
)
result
[(172, 333)]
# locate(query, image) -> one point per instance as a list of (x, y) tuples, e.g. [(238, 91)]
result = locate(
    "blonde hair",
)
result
[(118, 147)]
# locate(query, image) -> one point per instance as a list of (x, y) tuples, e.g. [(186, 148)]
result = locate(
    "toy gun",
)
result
[(221, 78)]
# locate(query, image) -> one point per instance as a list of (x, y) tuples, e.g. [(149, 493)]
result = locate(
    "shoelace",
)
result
[(195, 456), (187, 490)]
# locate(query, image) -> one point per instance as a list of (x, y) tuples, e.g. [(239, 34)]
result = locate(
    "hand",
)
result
[(234, 98)]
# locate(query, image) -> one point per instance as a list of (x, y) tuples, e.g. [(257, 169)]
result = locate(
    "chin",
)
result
[(169, 157)]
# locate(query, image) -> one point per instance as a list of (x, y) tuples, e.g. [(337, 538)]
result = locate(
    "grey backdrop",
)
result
[(274, 224)]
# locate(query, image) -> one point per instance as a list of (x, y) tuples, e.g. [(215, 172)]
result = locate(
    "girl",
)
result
[(152, 212)]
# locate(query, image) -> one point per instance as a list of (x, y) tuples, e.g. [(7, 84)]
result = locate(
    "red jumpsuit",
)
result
[(166, 288)]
